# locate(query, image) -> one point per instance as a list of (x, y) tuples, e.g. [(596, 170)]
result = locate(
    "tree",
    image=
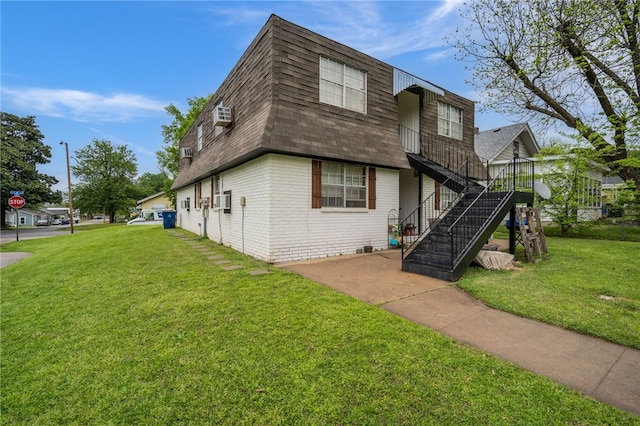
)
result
[(169, 156), (575, 62), (106, 174), (573, 194), (149, 184), (22, 151)]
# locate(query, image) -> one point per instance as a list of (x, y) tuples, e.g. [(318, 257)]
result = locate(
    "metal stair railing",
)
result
[(442, 152), (425, 218), (517, 175)]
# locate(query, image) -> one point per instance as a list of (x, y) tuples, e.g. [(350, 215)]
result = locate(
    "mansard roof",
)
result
[(273, 91)]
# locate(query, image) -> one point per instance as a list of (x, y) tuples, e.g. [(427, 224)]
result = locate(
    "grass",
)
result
[(589, 286), (129, 325)]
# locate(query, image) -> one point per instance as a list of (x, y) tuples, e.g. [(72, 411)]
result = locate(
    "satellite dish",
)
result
[(542, 190)]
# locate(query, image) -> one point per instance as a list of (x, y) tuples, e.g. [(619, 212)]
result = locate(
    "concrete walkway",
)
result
[(9, 257), (603, 370)]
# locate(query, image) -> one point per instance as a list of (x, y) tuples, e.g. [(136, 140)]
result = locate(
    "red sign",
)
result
[(17, 202)]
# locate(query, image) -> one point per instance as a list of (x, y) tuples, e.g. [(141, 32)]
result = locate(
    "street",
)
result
[(9, 235)]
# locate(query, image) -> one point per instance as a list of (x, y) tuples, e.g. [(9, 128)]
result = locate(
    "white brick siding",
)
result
[(278, 224)]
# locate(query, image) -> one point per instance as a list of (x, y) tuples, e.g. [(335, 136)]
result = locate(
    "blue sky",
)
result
[(106, 70)]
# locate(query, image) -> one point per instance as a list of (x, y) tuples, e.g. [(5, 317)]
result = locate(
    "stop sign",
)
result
[(17, 202)]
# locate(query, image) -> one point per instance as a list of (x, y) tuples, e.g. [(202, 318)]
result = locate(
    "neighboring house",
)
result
[(615, 190), (26, 217), (309, 147), (62, 213), (157, 202), (497, 147)]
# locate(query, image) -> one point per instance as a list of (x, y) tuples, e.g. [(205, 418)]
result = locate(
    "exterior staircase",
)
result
[(443, 243)]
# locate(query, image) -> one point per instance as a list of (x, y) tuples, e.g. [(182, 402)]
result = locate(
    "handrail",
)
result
[(442, 152), (415, 214), (512, 177)]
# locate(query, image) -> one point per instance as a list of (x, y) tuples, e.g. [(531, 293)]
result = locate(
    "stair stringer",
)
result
[(466, 256), (447, 177), (462, 261)]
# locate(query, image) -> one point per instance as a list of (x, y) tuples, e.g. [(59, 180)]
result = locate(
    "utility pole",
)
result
[(66, 147)]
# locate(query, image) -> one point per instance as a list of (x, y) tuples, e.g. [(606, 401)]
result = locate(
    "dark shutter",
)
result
[(372, 188), (436, 196), (316, 184)]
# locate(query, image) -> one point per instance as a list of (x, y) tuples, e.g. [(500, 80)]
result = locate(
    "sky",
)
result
[(106, 70)]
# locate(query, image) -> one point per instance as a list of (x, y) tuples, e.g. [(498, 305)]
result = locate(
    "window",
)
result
[(197, 193), (227, 202), (217, 202), (449, 121), (447, 197), (342, 86), (343, 185), (200, 137), (590, 194), (186, 204)]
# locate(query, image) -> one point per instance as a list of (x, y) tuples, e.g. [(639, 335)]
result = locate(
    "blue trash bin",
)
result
[(169, 219)]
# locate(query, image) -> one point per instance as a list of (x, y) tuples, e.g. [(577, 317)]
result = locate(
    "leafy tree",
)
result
[(575, 62), (22, 151), (169, 156), (150, 184), (567, 178), (106, 174)]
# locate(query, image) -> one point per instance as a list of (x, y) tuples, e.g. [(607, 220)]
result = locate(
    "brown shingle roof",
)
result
[(274, 91)]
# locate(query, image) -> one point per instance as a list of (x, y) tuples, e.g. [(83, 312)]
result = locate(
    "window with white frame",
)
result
[(449, 121), (200, 137), (590, 195), (217, 201), (447, 197), (197, 194), (342, 85), (344, 185)]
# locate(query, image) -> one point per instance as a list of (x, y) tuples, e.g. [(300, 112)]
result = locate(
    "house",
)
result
[(157, 202), (310, 148), (62, 213), (498, 146), (26, 217)]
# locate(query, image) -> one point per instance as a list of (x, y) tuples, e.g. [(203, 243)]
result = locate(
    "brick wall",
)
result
[(279, 223)]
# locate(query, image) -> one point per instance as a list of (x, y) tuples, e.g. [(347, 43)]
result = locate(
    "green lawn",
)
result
[(586, 285), (129, 325)]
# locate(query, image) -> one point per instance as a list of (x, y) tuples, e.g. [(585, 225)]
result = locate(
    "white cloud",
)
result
[(380, 29), (445, 9), (81, 106)]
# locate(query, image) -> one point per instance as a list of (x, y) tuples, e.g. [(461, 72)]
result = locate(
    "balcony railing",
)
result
[(441, 151)]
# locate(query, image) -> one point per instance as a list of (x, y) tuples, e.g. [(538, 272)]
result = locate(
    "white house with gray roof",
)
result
[(497, 146)]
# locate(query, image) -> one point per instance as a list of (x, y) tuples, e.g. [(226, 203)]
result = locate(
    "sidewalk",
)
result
[(605, 371), (9, 257)]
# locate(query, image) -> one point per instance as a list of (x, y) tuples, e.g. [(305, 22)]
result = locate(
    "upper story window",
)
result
[(200, 137), (449, 121), (343, 86)]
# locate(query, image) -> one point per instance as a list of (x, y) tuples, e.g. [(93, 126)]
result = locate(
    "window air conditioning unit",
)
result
[(222, 116), (222, 201), (186, 152)]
